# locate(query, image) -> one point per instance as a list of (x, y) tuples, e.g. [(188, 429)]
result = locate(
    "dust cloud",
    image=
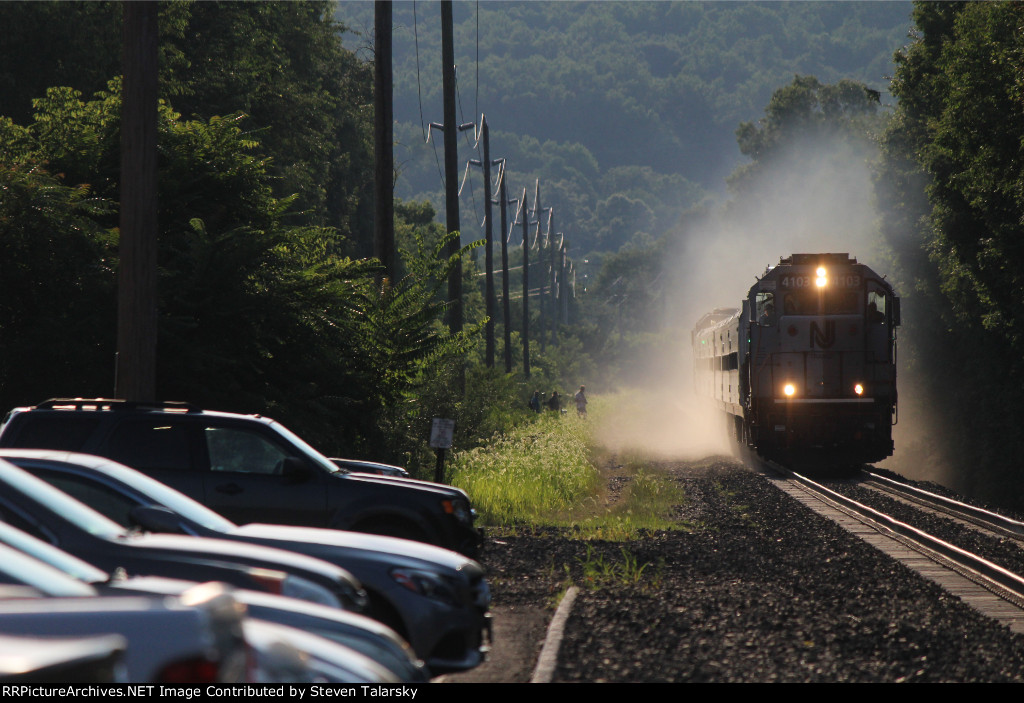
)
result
[(662, 424), (816, 198)]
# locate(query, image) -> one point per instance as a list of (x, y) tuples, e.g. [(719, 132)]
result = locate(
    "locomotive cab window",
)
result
[(877, 304), (765, 307)]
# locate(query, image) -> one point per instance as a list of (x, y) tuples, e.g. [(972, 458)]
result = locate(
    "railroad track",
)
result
[(984, 572), (986, 519)]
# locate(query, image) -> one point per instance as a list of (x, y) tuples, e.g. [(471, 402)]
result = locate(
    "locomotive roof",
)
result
[(812, 259), (829, 260)]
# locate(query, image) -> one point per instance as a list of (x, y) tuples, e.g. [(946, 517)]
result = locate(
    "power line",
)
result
[(419, 94)]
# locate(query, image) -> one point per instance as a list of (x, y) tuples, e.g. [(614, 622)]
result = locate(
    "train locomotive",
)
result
[(806, 367)]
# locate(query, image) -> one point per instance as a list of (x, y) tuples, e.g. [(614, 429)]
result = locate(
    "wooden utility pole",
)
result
[(135, 377), (505, 234), (540, 260), (524, 211), (552, 302), (451, 167), (562, 288), (383, 142), (489, 252)]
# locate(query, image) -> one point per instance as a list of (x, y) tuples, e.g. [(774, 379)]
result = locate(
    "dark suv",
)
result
[(246, 467)]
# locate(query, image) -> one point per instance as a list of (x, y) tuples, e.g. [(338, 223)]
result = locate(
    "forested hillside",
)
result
[(625, 111)]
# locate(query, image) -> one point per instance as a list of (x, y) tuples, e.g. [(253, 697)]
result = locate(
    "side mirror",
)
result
[(895, 312), (156, 518)]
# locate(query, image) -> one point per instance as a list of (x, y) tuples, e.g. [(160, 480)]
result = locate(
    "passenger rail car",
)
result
[(806, 366)]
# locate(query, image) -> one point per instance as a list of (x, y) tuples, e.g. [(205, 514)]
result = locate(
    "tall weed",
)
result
[(534, 474)]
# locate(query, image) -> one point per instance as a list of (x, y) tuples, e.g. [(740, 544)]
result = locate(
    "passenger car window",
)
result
[(64, 431), (102, 499), (242, 451), (153, 445)]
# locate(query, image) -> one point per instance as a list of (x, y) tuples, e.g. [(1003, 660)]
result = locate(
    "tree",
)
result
[(57, 288), (280, 63), (801, 116), (950, 189)]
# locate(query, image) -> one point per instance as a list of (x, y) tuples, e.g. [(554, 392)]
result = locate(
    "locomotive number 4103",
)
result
[(839, 281)]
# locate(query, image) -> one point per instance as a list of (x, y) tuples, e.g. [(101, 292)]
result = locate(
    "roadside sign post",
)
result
[(441, 433)]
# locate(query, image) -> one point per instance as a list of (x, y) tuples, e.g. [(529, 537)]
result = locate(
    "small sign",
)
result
[(441, 433)]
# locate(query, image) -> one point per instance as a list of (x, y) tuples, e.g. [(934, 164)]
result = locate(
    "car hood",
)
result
[(250, 554), (391, 551), (410, 483)]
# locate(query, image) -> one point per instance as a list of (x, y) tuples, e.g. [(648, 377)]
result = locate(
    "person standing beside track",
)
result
[(553, 403), (581, 402), (535, 402)]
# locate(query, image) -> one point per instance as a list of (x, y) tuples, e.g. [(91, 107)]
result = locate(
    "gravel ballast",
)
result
[(759, 589)]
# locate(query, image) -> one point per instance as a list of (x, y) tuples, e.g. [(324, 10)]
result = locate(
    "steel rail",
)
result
[(984, 571), (978, 516)]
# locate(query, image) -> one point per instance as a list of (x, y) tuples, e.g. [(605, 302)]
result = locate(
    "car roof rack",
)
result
[(116, 404)]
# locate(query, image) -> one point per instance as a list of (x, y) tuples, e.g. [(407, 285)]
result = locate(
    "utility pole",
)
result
[(537, 209), (552, 301), (524, 212), (562, 288), (135, 375), (451, 181), (506, 232), (451, 167), (489, 253), (383, 142)]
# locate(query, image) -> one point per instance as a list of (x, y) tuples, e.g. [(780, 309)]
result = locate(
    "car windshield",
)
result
[(47, 553), (308, 450), (16, 567), (16, 481), (162, 494)]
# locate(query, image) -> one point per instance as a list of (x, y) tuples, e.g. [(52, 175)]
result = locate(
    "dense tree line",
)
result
[(265, 167), (953, 208)]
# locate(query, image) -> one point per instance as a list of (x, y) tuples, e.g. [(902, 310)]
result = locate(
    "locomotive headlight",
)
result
[(822, 280), (858, 389), (789, 390)]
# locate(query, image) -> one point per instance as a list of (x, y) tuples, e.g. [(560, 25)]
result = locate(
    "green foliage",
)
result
[(599, 571), (799, 118), (256, 314), (46, 44), (950, 190), (536, 473), (56, 288), (279, 63), (543, 473), (575, 91)]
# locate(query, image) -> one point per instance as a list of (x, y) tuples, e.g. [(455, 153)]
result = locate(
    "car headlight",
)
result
[(304, 589), (459, 509), (427, 584)]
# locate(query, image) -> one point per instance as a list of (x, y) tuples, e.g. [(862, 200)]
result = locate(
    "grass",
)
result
[(545, 474), (530, 475), (600, 571)]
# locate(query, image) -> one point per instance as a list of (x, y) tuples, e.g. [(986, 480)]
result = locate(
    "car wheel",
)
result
[(383, 612)]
